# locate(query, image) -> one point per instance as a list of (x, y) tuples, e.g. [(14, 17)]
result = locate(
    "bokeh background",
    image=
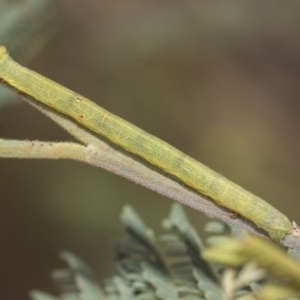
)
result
[(220, 81)]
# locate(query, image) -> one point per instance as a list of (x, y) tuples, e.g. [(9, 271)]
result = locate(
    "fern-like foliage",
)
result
[(167, 267)]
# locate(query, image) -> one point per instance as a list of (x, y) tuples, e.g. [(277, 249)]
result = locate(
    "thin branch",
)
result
[(101, 154), (41, 150)]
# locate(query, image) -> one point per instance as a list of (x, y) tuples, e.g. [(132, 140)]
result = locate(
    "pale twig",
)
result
[(101, 154), (38, 149)]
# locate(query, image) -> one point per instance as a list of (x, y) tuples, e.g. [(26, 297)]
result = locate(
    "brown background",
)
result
[(218, 81)]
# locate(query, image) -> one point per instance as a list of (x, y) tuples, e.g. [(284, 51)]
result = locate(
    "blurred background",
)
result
[(219, 81)]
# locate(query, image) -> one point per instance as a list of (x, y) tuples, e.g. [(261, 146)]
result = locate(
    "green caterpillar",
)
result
[(144, 145)]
